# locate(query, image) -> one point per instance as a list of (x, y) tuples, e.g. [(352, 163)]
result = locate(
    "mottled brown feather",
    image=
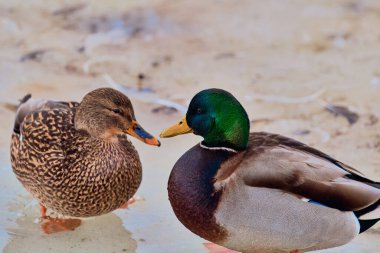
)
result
[(68, 170)]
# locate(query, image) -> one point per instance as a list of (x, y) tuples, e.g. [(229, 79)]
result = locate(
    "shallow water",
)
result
[(273, 56)]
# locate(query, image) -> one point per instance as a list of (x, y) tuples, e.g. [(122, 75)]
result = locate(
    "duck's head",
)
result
[(106, 113), (218, 117)]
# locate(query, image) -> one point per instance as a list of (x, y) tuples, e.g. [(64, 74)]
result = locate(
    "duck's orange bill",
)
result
[(138, 132), (177, 129)]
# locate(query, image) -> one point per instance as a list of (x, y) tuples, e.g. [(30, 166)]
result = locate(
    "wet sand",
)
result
[(284, 60)]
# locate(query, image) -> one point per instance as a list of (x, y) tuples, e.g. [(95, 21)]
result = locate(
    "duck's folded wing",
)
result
[(308, 175), (43, 130), (29, 105), (45, 124)]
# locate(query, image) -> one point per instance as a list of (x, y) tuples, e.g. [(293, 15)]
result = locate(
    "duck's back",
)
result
[(67, 170), (37, 136)]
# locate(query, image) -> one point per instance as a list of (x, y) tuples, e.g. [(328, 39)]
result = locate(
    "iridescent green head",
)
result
[(218, 117)]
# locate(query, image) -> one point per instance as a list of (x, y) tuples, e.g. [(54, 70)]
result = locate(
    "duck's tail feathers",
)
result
[(28, 105), (20, 113), (25, 98), (13, 106), (368, 216), (366, 224)]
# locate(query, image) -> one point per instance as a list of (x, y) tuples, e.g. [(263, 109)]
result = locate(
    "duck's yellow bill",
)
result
[(177, 129), (138, 132)]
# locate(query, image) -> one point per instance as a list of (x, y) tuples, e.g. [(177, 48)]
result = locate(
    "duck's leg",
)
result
[(53, 225), (129, 202), (294, 251), (42, 211), (214, 248)]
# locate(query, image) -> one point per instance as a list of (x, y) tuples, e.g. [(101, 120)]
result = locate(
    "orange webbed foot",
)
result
[(294, 251), (54, 225), (214, 248)]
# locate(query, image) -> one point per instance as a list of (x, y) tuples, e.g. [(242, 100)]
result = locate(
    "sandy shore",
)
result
[(286, 61)]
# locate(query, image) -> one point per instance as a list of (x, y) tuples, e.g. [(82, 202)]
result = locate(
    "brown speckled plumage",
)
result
[(68, 170)]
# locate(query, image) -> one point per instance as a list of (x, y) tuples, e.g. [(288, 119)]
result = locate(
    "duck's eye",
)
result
[(199, 110), (116, 110)]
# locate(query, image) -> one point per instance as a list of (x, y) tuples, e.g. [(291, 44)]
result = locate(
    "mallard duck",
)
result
[(75, 158), (263, 192)]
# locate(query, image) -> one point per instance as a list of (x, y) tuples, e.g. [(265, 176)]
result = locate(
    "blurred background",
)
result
[(306, 69)]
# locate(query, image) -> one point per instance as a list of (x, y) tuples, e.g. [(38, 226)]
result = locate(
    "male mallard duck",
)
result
[(75, 158), (263, 192)]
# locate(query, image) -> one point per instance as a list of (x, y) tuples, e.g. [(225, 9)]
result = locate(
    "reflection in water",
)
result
[(101, 234)]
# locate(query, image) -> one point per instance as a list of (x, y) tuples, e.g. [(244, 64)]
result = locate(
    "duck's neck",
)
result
[(202, 145), (85, 120), (192, 193)]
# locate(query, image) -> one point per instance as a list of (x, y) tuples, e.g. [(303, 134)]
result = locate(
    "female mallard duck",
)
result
[(263, 192), (75, 158)]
